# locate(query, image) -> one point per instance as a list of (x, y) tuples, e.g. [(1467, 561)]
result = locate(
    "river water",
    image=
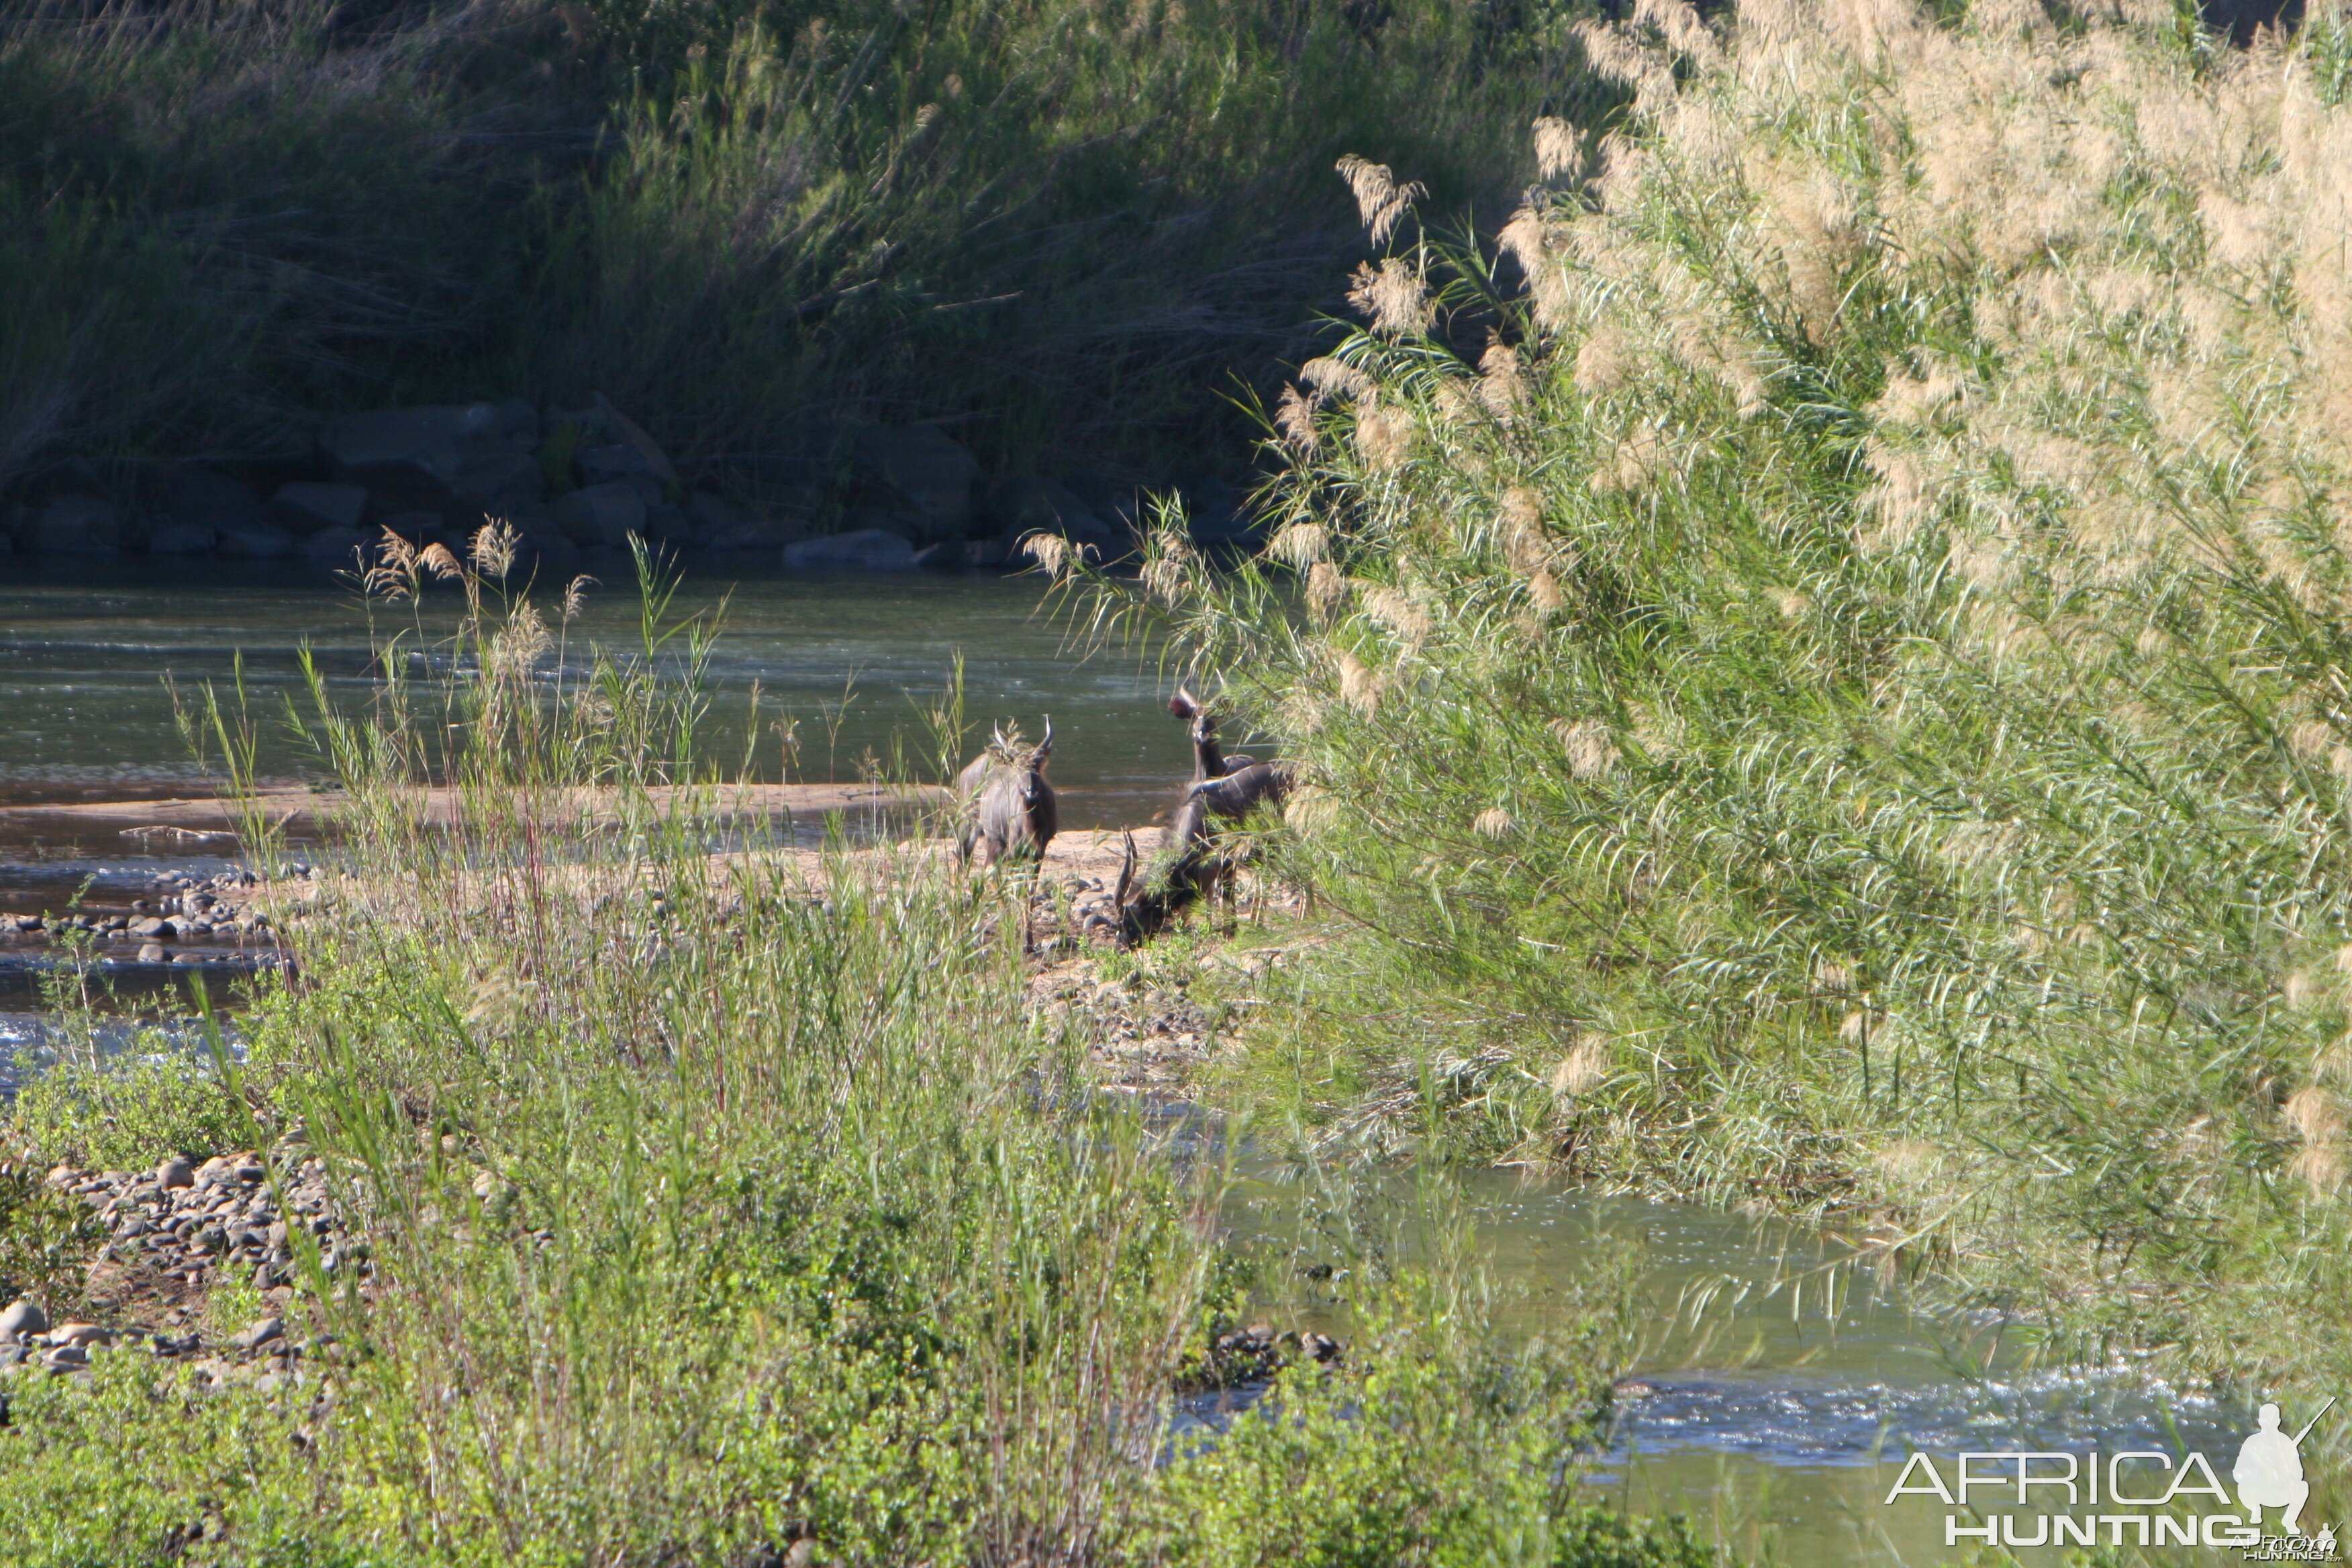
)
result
[(1781, 1386)]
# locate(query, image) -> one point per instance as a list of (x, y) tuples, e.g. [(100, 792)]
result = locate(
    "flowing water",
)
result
[(1781, 1386)]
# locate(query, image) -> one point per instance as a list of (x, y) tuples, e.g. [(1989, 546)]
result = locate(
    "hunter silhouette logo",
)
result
[(2269, 1472), (2141, 1497)]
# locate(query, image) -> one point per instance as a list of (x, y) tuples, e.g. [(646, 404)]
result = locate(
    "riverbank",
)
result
[(746, 1212)]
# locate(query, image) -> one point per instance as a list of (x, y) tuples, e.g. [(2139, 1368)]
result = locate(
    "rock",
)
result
[(473, 454), (189, 506), (260, 1332), (153, 926), (84, 1334), (65, 1358), (304, 506), (77, 524), (256, 541), (21, 1316), (619, 463), (600, 515), (519, 423), (924, 467), (73, 477), (1318, 1347), (334, 546), (761, 533), (866, 550), (619, 429), (707, 515), (174, 1172), (944, 557), (182, 539), (153, 952)]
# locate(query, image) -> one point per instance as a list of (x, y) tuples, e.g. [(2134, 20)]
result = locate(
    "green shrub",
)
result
[(1838, 705), (129, 1113)]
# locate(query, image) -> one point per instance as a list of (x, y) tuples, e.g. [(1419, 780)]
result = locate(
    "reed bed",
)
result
[(1816, 661)]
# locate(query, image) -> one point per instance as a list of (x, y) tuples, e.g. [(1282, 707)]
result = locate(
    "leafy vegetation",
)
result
[(1064, 226), (714, 1206), (1818, 666)]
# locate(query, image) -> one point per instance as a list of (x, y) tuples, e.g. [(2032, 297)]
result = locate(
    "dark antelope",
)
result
[(1229, 786), (1006, 806), (1192, 863)]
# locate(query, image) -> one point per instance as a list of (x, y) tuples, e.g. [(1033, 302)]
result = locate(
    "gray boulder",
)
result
[(169, 538), (600, 516), (257, 541), (304, 507), (866, 550), (23, 1317), (190, 497), (77, 524), (924, 469), (477, 454), (337, 547)]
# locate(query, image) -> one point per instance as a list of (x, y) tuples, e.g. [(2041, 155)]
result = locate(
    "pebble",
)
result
[(259, 1332), (152, 953), (64, 1358), (23, 1317), (174, 1172)]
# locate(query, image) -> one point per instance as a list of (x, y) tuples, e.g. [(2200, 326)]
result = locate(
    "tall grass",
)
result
[(1063, 226), (1839, 703), (710, 1208)]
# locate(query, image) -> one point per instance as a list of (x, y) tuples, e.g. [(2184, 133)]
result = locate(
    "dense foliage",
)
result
[(1841, 701), (1065, 227)]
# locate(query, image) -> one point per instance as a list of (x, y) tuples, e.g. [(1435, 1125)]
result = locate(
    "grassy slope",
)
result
[(1846, 708), (1065, 227)]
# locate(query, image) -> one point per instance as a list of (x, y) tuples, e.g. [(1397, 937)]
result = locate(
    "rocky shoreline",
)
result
[(841, 495), (172, 1234)]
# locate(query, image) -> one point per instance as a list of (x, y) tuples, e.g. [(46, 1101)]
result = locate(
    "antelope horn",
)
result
[(1045, 746), (1126, 874)]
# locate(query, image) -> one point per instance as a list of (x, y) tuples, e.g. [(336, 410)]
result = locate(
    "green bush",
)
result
[(1837, 703), (128, 1114)]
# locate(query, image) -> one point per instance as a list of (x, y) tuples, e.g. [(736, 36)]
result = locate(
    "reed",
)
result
[(1852, 723)]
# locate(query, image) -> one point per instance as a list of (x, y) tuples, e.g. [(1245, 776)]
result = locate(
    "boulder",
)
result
[(73, 477), (763, 533), (182, 539), (948, 555), (188, 496), (866, 550), (619, 429), (706, 515), (259, 540), (619, 462), (76, 524), (336, 547), (303, 507), (600, 515), (1025, 504), (476, 454), (923, 468)]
